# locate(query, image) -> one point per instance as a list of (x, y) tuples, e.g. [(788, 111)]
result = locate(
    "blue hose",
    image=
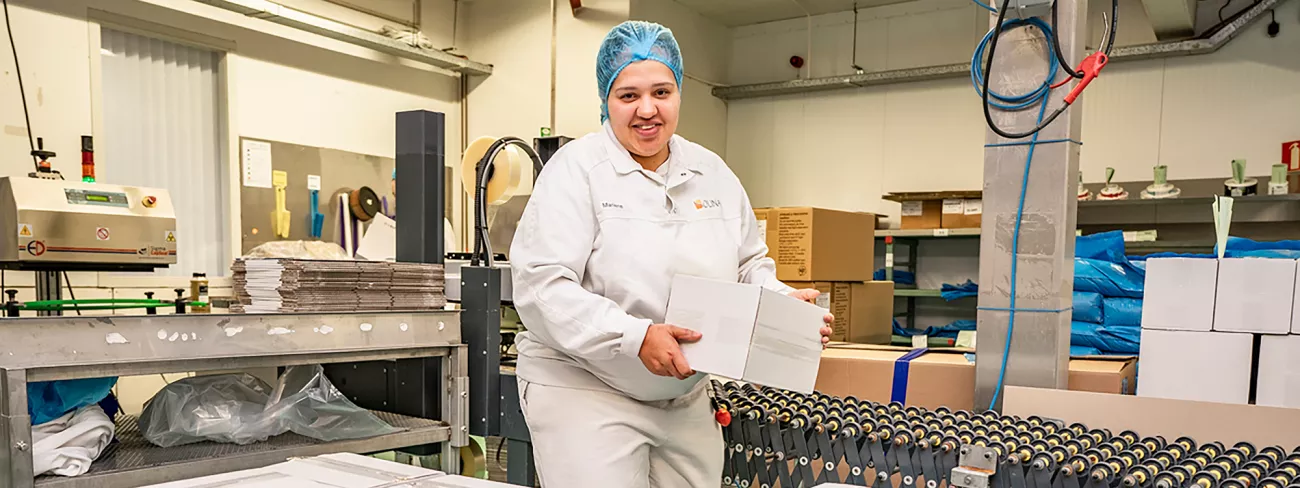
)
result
[(1040, 97)]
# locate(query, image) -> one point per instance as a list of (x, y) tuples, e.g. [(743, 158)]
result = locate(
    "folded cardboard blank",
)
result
[(748, 333)]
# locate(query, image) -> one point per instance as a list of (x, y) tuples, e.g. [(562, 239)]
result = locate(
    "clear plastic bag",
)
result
[(298, 250), (241, 409)]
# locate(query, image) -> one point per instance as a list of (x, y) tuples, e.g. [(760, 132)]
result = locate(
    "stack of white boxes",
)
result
[(1200, 321)]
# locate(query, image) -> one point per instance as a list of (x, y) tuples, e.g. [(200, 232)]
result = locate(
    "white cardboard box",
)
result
[(748, 333), (1180, 294), (1198, 366), (1255, 295), (1278, 383)]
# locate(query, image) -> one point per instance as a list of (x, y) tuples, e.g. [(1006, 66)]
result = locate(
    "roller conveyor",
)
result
[(779, 438)]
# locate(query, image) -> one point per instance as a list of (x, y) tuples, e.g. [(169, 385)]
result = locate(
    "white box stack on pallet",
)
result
[(1201, 319)]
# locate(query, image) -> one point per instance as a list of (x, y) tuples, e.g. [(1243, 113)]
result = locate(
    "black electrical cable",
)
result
[(1060, 58), (22, 92), (482, 245), (71, 293)]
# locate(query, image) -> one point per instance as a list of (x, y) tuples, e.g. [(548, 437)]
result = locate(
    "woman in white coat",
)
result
[(609, 399)]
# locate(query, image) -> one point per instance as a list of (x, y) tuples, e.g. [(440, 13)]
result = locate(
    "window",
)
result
[(162, 129)]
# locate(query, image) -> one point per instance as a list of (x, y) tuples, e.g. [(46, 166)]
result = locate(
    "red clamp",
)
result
[(723, 417), (1091, 67)]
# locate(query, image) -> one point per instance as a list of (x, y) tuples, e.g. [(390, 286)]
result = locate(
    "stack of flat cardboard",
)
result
[(301, 285)]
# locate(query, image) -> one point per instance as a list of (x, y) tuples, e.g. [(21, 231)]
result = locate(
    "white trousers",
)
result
[(595, 439)]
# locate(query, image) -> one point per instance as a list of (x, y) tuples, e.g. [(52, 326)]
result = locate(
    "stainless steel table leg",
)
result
[(15, 431), (455, 410)]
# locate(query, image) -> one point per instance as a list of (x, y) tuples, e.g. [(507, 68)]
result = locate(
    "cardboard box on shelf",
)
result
[(962, 213), (942, 209), (815, 244), (1255, 295), (863, 312), (940, 377), (1199, 366), (1104, 374), (767, 231), (1180, 294), (748, 333)]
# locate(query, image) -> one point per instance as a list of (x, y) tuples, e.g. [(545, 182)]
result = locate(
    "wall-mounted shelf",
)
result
[(926, 233), (914, 292)]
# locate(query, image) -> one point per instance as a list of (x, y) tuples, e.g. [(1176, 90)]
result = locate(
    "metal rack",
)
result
[(912, 238), (46, 349)]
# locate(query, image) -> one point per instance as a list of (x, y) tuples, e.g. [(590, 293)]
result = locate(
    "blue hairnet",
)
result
[(628, 43)]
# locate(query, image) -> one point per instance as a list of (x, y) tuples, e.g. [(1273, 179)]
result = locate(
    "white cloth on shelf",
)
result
[(67, 445)]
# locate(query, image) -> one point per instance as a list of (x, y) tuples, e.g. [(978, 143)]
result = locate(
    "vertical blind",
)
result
[(162, 129)]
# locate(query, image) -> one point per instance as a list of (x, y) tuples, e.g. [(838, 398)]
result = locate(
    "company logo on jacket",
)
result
[(708, 203)]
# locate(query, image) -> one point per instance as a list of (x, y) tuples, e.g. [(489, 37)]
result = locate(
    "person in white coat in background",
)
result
[(609, 399)]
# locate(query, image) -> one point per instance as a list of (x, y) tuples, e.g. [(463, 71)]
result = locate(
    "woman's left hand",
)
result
[(810, 296)]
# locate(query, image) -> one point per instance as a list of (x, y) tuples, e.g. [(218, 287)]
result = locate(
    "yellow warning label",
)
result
[(24, 230), (171, 236)]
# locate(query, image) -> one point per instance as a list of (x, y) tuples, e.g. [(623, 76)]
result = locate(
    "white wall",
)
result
[(281, 84), (845, 148), (706, 49)]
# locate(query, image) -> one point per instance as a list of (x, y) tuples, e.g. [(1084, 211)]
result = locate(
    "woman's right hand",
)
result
[(661, 352)]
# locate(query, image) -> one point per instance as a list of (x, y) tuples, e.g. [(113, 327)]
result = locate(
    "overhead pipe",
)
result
[(1191, 47), (280, 14)]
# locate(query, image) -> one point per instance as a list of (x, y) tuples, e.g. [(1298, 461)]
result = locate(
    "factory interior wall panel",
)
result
[(282, 83), (513, 36), (577, 108), (706, 48), (1192, 113)]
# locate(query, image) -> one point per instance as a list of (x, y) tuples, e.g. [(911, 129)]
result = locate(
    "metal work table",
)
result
[(56, 348)]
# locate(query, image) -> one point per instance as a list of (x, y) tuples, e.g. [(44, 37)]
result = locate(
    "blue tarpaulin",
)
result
[(1087, 307), (952, 292), (1123, 311), (1107, 339), (900, 277), (1105, 246), (49, 400), (1109, 279), (950, 331)]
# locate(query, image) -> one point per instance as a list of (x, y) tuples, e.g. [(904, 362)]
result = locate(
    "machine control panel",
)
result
[(89, 197)]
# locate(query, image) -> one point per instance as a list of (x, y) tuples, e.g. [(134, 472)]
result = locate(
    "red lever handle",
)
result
[(723, 417), (1091, 67)]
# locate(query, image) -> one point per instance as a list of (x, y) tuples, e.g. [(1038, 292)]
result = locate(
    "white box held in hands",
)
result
[(748, 333)]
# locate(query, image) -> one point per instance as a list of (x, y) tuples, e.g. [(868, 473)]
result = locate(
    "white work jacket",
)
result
[(597, 248)]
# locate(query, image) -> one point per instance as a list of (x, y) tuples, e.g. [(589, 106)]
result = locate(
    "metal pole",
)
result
[(49, 286), (421, 189), (15, 431), (1040, 344)]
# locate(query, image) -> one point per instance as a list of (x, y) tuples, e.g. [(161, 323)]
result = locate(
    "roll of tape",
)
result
[(506, 178)]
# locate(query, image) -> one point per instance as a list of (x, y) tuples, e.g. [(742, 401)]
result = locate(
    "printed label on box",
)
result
[(762, 230), (912, 209), (953, 207), (973, 207), (824, 301)]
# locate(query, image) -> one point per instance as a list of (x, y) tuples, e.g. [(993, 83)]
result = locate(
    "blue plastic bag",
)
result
[(1121, 279), (1087, 307), (49, 400), (901, 277), (952, 292), (1084, 351), (1107, 340), (948, 331), (1106, 246), (1122, 311)]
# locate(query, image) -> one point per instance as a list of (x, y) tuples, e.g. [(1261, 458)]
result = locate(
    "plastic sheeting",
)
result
[(241, 409), (952, 292), (900, 277), (1106, 339), (950, 331), (49, 400), (298, 250), (1105, 246), (1109, 279), (1123, 311), (1087, 307)]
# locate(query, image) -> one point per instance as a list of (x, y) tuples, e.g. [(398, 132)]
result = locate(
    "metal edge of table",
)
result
[(237, 462), (232, 363), (70, 344)]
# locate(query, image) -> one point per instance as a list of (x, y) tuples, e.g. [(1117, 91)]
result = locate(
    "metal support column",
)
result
[(15, 431), (49, 286), (520, 467), (421, 151), (481, 330), (455, 412), (1040, 347)]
